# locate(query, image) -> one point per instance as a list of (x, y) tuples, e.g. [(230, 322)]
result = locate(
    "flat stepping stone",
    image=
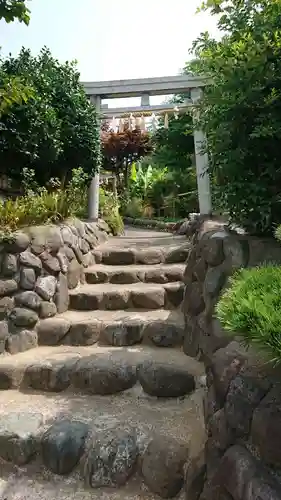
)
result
[(165, 381), (136, 295), (117, 254), (19, 434), (96, 369), (162, 327), (159, 273), (121, 327)]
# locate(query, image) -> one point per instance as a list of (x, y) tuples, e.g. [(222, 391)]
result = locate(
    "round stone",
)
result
[(46, 287), (163, 466), (123, 333), (19, 433), (23, 317), (63, 445), (27, 278), (28, 299), (103, 376), (164, 334), (112, 460), (164, 381), (9, 265)]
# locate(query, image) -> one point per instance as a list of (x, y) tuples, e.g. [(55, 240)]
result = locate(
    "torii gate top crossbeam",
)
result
[(137, 87)]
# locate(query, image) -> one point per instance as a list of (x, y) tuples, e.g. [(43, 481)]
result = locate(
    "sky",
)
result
[(112, 39)]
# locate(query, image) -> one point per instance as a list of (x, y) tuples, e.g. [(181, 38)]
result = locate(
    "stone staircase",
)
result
[(108, 399)]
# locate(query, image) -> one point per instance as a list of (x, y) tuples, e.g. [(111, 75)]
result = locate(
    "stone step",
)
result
[(132, 441), (159, 273), (161, 327), (101, 370), (151, 255), (144, 239), (112, 297)]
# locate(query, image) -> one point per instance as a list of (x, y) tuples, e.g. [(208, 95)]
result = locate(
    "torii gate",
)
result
[(144, 88)]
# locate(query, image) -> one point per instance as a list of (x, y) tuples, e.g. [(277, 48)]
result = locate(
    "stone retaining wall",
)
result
[(38, 265), (243, 399)]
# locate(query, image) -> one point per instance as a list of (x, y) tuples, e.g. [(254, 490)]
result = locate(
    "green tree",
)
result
[(174, 153), (55, 131), (12, 89), (174, 146), (12, 10), (241, 109)]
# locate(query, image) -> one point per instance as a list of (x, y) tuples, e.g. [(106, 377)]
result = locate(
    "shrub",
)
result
[(109, 211), (40, 206), (251, 307), (134, 208)]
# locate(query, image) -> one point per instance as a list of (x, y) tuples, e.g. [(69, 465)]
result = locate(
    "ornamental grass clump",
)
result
[(251, 308)]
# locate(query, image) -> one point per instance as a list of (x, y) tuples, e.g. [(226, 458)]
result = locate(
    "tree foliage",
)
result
[(241, 110), (56, 130), (12, 10), (121, 149), (174, 154), (174, 146), (12, 89)]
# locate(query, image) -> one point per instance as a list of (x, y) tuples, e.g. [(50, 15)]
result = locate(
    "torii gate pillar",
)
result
[(202, 163), (93, 195)]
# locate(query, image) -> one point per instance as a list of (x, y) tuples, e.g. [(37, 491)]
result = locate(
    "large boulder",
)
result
[(28, 259), (244, 394), (19, 434), (150, 256), (112, 459), (46, 287), (21, 340), (9, 265), (120, 256), (103, 376), (163, 466), (50, 376), (27, 278), (44, 238), (22, 317), (123, 333), (164, 334), (19, 242), (163, 380), (28, 299), (225, 365), (8, 287), (50, 263), (47, 309), (148, 298), (245, 478), (266, 427), (63, 445), (52, 330), (87, 333), (6, 305)]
